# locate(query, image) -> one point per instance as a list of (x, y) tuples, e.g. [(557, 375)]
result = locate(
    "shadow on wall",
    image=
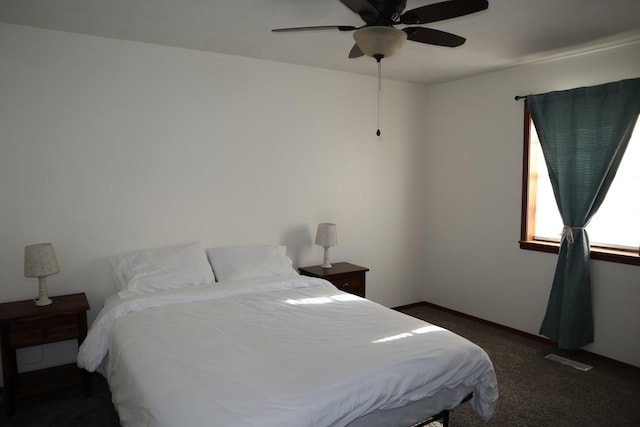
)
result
[(298, 240)]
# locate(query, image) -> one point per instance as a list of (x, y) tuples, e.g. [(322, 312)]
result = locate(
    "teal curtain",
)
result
[(583, 133)]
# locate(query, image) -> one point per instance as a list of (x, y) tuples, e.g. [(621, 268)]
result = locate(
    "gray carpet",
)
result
[(66, 409), (533, 391)]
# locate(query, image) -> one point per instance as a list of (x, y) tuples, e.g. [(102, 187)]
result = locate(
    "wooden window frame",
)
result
[(527, 239)]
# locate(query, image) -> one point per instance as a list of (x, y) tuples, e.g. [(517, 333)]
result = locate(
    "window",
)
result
[(614, 231)]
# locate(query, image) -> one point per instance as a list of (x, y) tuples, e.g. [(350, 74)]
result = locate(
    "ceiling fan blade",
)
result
[(319, 27), (359, 6), (363, 8), (431, 36), (443, 10), (355, 52)]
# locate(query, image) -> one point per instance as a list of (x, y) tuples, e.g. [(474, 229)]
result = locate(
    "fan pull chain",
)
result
[(379, 89)]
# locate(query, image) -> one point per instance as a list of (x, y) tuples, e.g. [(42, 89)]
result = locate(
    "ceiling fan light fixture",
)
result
[(379, 41)]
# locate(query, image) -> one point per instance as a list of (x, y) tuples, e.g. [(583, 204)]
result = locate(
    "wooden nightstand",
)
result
[(346, 277), (23, 324)]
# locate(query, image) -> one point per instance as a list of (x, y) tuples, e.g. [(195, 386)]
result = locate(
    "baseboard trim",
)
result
[(518, 332), (415, 304)]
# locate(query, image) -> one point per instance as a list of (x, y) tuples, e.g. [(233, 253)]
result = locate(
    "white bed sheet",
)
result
[(290, 351)]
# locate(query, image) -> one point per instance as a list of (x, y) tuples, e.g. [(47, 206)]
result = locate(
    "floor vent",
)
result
[(568, 362)]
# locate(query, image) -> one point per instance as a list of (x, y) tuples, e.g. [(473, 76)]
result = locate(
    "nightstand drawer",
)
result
[(24, 324), (26, 334), (344, 276), (352, 284)]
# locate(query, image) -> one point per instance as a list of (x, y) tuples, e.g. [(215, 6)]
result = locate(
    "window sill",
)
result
[(622, 257)]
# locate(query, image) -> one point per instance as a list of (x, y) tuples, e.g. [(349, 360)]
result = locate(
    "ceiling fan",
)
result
[(379, 38)]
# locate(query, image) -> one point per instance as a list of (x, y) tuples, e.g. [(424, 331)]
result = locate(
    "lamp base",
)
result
[(325, 260), (43, 292), (43, 301)]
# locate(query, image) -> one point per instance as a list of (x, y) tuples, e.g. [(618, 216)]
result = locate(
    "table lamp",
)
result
[(326, 236), (40, 261)]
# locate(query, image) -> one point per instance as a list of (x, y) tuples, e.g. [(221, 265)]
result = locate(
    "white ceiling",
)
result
[(509, 33)]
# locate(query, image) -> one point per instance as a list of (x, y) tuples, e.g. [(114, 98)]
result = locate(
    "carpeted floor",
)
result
[(534, 391), (66, 409)]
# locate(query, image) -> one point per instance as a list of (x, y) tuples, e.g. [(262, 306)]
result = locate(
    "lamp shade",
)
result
[(40, 260), (326, 235), (379, 42)]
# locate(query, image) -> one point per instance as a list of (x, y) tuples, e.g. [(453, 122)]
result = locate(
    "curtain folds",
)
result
[(583, 134)]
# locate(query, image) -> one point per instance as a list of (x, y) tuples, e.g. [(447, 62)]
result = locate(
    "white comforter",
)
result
[(290, 351)]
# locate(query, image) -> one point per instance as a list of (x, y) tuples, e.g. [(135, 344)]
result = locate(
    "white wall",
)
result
[(108, 146), (473, 190)]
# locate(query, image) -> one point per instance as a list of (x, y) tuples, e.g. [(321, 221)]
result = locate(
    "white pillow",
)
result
[(161, 269), (245, 262)]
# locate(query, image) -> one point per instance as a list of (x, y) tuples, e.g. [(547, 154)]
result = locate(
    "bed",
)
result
[(260, 345)]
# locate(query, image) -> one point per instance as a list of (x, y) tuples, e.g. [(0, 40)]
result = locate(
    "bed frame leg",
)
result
[(445, 419), (444, 415)]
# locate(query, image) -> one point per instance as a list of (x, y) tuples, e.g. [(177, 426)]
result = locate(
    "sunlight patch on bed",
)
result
[(419, 331), (346, 297), (307, 301), (323, 300), (427, 329), (393, 338)]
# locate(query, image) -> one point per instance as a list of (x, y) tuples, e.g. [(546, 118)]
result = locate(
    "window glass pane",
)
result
[(548, 223), (617, 222)]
